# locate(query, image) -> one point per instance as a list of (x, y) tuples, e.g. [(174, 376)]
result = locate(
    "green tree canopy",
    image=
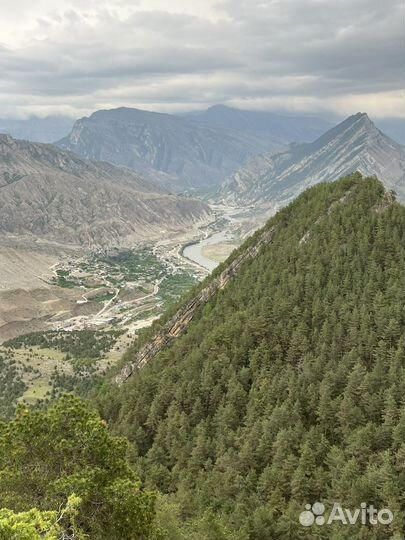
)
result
[(47, 457), (289, 386)]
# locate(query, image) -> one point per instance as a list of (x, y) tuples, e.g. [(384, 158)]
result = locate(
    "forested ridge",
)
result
[(289, 387)]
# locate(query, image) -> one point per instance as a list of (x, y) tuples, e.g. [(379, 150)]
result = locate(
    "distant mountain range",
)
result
[(353, 145), (242, 153), (45, 130), (193, 155), (202, 149), (54, 196), (277, 128), (196, 150), (284, 128)]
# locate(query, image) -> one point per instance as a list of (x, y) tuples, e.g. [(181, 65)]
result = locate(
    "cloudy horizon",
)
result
[(292, 56)]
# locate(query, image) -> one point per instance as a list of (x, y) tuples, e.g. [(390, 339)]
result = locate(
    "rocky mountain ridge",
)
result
[(354, 145), (50, 195), (191, 154)]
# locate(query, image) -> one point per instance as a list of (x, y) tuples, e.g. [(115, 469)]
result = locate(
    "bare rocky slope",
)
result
[(49, 195), (354, 145), (191, 153)]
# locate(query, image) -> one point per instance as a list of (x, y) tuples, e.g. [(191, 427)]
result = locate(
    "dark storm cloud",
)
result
[(299, 54)]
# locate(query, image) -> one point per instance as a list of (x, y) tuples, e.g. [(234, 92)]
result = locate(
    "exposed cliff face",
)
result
[(177, 326), (189, 153)]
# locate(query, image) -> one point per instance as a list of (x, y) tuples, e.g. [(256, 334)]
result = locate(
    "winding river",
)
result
[(194, 251)]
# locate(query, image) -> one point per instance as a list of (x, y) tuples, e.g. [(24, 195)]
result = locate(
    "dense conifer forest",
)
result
[(289, 388)]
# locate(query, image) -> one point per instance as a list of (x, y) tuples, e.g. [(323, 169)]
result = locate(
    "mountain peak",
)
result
[(362, 120), (363, 117), (353, 126), (355, 144), (360, 117), (189, 153), (5, 138)]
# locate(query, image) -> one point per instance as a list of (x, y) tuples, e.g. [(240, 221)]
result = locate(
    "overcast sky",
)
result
[(324, 56)]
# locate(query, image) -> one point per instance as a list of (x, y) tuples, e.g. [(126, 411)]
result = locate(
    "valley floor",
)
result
[(57, 309)]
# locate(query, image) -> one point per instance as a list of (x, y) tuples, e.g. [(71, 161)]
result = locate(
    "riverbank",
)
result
[(194, 251)]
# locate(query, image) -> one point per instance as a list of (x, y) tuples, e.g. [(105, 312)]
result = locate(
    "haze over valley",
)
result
[(202, 269)]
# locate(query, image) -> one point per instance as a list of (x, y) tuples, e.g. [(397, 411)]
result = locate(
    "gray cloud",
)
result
[(303, 55)]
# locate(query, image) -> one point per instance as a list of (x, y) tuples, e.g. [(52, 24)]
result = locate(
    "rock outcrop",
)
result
[(178, 325)]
